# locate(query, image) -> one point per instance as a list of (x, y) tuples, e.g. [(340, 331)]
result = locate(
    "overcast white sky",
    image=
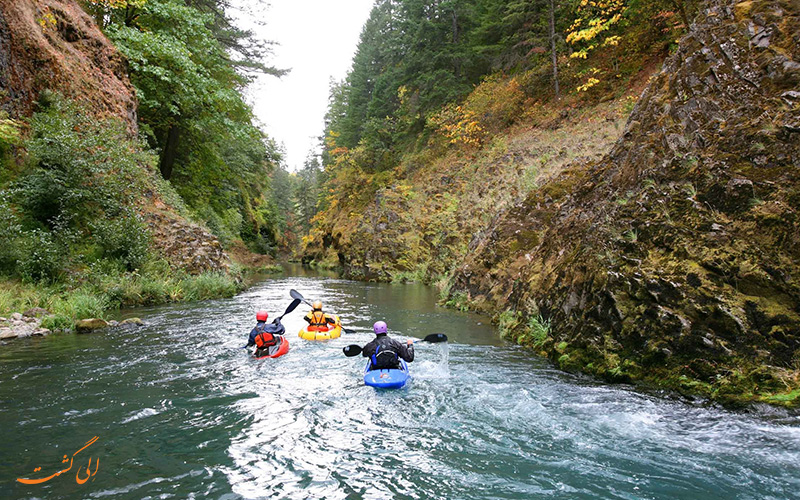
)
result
[(317, 41)]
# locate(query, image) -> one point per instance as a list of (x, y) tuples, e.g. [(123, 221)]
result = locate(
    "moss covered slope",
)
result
[(674, 259), (416, 221)]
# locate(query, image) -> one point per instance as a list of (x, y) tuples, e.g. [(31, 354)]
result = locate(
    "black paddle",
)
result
[(292, 307), (296, 295), (355, 350)]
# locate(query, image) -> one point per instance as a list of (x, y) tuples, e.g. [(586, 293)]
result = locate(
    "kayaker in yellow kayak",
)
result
[(321, 326), (318, 320)]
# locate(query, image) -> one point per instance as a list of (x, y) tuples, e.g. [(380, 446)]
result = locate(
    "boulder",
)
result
[(7, 334), (131, 322), (91, 324)]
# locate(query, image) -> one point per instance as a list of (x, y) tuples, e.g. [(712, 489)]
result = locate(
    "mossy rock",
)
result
[(90, 324), (131, 322)]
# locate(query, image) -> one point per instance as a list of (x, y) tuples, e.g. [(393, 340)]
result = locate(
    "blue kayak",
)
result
[(387, 378)]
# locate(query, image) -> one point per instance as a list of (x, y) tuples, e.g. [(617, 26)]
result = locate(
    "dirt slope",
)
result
[(54, 44)]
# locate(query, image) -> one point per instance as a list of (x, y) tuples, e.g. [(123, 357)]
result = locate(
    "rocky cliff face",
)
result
[(54, 44), (675, 259), (184, 245)]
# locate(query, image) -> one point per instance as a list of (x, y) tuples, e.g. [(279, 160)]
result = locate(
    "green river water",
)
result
[(181, 412)]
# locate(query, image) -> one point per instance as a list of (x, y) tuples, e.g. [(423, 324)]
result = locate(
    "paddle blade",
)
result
[(289, 309), (296, 295), (352, 350), (435, 337), (292, 306)]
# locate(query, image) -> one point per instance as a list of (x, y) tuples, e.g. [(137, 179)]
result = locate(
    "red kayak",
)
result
[(283, 348)]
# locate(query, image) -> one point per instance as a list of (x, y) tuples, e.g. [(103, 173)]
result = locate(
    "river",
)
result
[(180, 411)]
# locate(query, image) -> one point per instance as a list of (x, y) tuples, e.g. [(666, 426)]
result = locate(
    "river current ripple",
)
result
[(182, 412)]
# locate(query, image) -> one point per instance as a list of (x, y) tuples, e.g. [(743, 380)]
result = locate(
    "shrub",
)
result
[(57, 322), (10, 234), (10, 138), (43, 258), (10, 133), (458, 300), (80, 169), (75, 203), (208, 285), (80, 304), (124, 238), (538, 330), (492, 106), (417, 275), (507, 323)]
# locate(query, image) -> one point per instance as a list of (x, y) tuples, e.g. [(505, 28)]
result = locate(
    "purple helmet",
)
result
[(379, 327)]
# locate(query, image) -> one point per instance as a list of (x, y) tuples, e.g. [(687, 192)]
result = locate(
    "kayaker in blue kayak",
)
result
[(266, 337), (385, 352)]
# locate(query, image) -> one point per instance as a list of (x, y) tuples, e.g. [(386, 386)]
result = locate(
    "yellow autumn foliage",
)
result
[(491, 106), (48, 20), (118, 4)]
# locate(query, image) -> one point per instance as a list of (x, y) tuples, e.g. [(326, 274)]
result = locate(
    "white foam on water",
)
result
[(147, 412)]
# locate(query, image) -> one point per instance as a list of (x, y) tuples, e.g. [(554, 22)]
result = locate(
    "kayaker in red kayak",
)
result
[(385, 352), (266, 337)]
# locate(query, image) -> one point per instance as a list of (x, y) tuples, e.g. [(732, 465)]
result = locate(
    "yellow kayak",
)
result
[(322, 332)]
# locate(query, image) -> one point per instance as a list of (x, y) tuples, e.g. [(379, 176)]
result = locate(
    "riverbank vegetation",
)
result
[(73, 238), (189, 64), (98, 294), (99, 212)]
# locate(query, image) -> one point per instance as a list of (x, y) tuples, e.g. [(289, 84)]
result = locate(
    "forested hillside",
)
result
[(483, 146), (458, 108), (130, 158), (189, 63)]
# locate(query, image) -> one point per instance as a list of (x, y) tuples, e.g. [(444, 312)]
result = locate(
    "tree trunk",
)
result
[(553, 53), (680, 5), (455, 26), (457, 61), (131, 13), (169, 152)]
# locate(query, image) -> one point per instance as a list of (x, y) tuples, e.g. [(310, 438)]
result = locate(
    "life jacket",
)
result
[(385, 359), (318, 322), (266, 339)]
